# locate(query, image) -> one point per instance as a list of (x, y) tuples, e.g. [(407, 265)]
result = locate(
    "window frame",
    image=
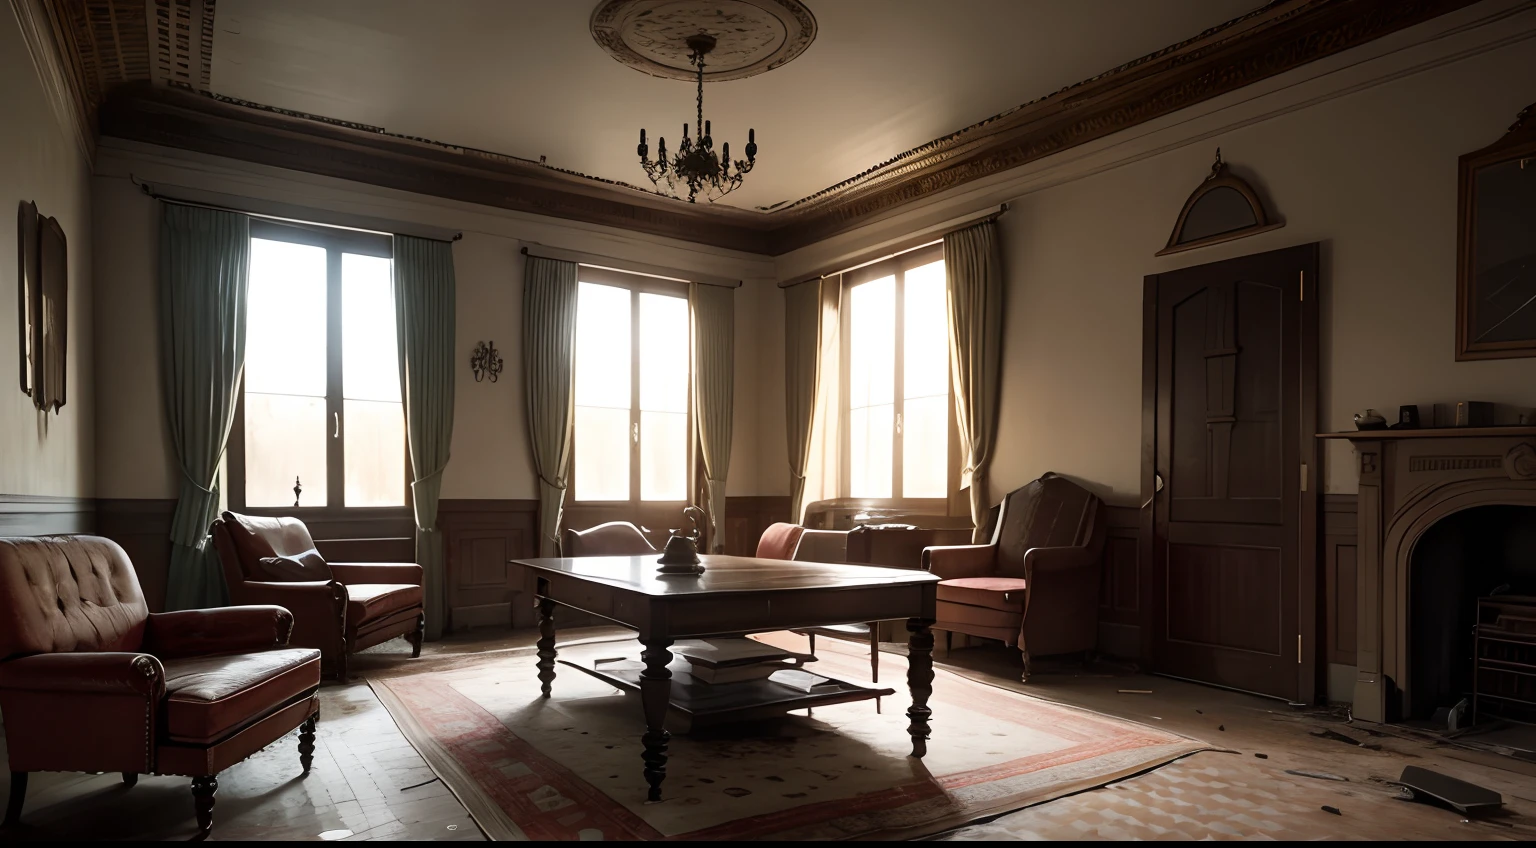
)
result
[(335, 241), (634, 509), (896, 266)]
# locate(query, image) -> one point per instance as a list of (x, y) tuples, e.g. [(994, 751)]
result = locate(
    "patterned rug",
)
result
[(569, 767)]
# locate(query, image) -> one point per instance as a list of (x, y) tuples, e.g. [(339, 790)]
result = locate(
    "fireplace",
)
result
[(1446, 517)]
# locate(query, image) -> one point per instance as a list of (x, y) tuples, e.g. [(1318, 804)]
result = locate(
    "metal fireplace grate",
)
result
[(1504, 676)]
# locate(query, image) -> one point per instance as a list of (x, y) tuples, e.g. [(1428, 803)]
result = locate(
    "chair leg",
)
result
[(203, 791), (18, 797), (949, 642), (307, 741), (812, 637), (874, 652), (130, 778), (1024, 678), (416, 637), (341, 665)]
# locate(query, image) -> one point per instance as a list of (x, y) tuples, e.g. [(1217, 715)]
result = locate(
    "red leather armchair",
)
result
[(346, 608), (90, 680), (1037, 583)]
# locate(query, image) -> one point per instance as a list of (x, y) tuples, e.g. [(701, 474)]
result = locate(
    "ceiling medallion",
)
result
[(751, 36), (695, 169)]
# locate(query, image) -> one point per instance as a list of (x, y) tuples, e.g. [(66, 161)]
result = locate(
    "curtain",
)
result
[(549, 360), (714, 371), (973, 271), (811, 373), (205, 258), (424, 331)]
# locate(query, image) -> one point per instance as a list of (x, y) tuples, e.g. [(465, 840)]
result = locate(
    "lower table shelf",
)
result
[(704, 704)]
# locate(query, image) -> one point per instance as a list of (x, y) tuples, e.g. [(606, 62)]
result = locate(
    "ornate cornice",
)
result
[(1279, 37)]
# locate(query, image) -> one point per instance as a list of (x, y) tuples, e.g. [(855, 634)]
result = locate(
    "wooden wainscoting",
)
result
[(747, 517), (1120, 586), (40, 515), (479, 536), (1339, 575), (143, 527)]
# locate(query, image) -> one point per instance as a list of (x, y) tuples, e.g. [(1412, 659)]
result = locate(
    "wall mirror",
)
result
[(1223, 208), (1496, 246)]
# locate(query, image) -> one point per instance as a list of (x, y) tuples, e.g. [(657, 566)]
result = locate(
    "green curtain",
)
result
[(549, 360), (973, 270), (714, 379), (424, 329), (205, 258)]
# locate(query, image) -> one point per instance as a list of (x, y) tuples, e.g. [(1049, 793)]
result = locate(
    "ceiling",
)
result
[(525, 78)]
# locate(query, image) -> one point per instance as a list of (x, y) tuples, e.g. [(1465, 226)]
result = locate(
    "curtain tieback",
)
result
[(187, 478), (550, 483)]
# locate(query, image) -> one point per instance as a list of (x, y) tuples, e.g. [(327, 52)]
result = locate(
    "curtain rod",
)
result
[(945, 227), (197, 204), (542, 252)]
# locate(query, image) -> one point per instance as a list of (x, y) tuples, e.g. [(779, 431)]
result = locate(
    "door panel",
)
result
[(1234, 386)]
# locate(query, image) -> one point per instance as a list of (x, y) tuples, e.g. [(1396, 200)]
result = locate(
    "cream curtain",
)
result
[(549, 360), (204, 290), (811, 370), (974, 274), (713, 309), (424, 333)]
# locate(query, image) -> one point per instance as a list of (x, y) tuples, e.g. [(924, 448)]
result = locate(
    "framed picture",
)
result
[(42, 306), (28, 294), (1496, 248)]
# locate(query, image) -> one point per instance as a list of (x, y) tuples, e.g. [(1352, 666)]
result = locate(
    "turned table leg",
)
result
[(307, 742), (546, 644), (920, 681), (655, 693), (204, 789)]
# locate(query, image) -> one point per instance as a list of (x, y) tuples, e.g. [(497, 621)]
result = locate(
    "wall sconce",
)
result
[(485, 361)]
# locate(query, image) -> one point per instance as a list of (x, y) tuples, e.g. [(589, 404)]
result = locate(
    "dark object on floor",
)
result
[(1334, 810), (1317, 775), (1335, 736), (1221, 727), (1199, 712), (1138, 692), (1460, 794), (1262, 756)]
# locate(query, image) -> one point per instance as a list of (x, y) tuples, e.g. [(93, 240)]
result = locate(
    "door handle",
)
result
[(1157, 486), (336, 419)]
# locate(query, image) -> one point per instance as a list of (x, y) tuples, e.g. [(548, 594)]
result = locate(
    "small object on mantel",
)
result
[(1135, 691), (1464, 413), (1407, 418), (1465, 797), (1370, 420)]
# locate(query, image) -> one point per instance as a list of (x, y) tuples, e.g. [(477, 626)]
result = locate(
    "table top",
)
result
[(724, 574)]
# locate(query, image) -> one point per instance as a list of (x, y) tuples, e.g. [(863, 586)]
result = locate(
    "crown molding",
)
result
[(1279, 37), (55, 59)]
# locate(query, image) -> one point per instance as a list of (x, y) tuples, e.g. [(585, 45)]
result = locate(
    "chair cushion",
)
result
[(369, 601), (306, 566), (258, 537), (999, 593), (207, 698)]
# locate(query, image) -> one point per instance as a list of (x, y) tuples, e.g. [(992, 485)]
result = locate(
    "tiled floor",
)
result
[(368, 783)]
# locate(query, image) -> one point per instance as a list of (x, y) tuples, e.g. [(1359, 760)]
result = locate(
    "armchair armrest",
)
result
[(193, 633), (1059, 559), (952, 562), (104, 673), (377, 572)]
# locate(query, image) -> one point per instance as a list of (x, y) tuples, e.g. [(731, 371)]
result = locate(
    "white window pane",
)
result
[(602, 453), (663, 456), (663, 353), (925, 448), (869, 451), (602, 348), (284, 439), (925, 334), (374, 452), (285, 320), (370, 360), (872, 343)]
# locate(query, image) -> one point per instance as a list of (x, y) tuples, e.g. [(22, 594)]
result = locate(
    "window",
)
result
[(632, 390), (897, 427), (320, 403)]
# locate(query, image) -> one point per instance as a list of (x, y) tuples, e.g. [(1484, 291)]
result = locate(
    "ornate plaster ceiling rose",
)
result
[(751, 36)]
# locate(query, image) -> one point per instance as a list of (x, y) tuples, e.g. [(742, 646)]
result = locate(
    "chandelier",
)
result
[(696, 169)]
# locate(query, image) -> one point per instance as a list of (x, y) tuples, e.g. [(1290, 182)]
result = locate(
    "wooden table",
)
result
[(735, 596)]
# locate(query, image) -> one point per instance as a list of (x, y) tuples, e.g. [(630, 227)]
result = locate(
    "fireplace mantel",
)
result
[(1410, 479)]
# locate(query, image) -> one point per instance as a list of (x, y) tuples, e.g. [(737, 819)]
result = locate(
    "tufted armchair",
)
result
[(1037, 584), (91, 681), (338, 607)]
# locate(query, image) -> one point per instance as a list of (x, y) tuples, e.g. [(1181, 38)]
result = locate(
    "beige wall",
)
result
[(1371, 174), (43, 453), (490, 455)]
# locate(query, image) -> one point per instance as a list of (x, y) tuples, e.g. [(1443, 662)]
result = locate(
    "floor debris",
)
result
[(1334, 810), (1464, 796), (1317, 775), (1262, 756), (1135, 691)]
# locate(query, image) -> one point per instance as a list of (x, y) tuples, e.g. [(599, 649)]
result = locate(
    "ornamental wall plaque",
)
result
[(1223, 208), (751, 36)]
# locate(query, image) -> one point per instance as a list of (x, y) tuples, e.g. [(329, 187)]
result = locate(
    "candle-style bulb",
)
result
[(685, 130), (642, 136), (725, 153), (751, 135)]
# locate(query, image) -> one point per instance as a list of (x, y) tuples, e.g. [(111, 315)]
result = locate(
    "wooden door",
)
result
[(1230, 466)]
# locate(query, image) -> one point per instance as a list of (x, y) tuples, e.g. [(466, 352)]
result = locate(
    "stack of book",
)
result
[(737, 660)]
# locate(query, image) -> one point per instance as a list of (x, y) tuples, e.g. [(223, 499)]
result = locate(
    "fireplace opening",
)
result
[(1463, 558)]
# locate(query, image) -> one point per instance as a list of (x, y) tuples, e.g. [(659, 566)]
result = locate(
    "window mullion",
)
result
[(634, 403), (334, 454), (899, 393)]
